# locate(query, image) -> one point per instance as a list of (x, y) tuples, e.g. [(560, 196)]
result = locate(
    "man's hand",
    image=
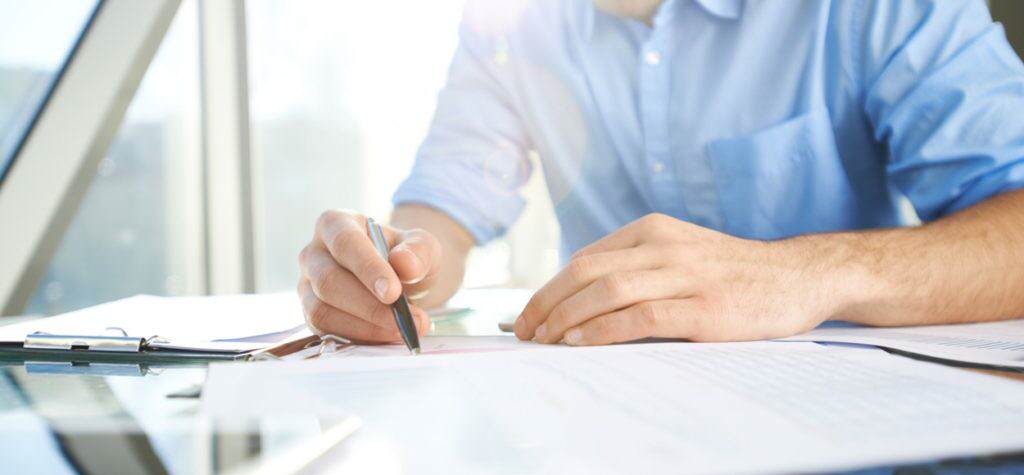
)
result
[(662, 277), (346, 287)]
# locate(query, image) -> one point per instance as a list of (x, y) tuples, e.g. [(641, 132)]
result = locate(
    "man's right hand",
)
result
[(346, 288)]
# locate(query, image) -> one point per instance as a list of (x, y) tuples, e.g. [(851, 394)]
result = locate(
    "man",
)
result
[(721, 170)]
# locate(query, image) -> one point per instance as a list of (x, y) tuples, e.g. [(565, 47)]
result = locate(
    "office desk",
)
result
[(120, 420)]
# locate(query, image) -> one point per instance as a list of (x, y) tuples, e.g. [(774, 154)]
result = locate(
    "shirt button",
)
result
[(657, 167), (652, 58)]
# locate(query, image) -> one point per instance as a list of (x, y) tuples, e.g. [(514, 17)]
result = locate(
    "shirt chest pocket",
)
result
[(782, 181)]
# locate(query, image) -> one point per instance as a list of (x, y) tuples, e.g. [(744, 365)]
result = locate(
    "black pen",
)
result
[(403, 316)]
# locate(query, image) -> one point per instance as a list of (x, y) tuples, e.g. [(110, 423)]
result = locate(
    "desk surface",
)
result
[(120, 420)]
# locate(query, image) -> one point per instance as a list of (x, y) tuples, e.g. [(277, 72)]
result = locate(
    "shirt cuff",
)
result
[(485, 215)]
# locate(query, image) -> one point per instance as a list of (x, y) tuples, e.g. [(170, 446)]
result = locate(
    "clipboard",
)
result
[(159, 329), (153, 350)]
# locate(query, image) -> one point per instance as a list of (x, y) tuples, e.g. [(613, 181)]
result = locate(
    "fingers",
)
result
[(576, 275), (423, 325), (347, 287), (625, 237), (327, 319), (609, 293), (630, 235), (341, 289), (659, 318), (416, 258), (345, 237)]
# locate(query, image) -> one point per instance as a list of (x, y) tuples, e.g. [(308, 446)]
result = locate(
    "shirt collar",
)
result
[(726, 9)]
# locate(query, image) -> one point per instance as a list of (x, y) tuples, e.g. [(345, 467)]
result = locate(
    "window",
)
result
[(341, 95), (138, 230), (36, 38)]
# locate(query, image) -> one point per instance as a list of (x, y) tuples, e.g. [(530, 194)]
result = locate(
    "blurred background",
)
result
[(340, 93)]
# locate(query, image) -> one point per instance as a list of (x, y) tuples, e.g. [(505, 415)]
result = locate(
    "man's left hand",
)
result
[(662, 277)]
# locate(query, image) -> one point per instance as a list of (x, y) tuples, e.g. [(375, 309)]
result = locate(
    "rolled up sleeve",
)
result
[(945, 95), (473, 161)]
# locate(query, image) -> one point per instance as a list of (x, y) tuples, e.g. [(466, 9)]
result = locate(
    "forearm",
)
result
[(455, 241), (966, 267)]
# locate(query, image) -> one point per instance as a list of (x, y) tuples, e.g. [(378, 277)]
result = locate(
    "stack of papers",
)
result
[(660, 407), (220, 323), (999, 344)]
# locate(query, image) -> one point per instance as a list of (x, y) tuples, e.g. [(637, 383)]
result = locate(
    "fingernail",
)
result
[(381, 287), (542, 331), (419, 263), (413, 281), (418, 295), (573, 337)]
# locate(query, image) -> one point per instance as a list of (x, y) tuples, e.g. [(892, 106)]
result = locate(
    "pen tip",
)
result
[(415, 351)]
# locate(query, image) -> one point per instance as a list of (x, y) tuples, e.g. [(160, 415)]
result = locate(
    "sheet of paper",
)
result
[(196, 319), (995, 343), (441, 345), (664, 407)]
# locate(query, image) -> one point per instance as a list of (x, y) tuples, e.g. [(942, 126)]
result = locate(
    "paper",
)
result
[(995, 343), (441, 345), (201, 320), (666, 407)]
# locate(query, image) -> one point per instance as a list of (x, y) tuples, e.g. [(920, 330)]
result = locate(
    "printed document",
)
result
[(193, 322), (659, 407), (993, 343), (440, 345)]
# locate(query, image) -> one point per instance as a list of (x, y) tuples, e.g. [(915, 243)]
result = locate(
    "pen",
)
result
[(403, 316)]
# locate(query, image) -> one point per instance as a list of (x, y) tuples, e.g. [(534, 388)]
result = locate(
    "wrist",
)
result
[(844, 272)]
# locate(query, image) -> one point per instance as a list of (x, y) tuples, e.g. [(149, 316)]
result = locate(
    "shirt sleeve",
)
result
[(473, 161), (944, 92)]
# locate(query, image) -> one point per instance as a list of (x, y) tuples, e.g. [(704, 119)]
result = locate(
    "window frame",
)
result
[(230, 260), (55, 162), (8, 161)]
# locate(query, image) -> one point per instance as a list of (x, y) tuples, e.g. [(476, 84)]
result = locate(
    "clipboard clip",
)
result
[(99, 343), (304, 347)]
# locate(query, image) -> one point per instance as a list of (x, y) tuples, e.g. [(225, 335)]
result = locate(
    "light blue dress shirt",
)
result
[(761, 119)]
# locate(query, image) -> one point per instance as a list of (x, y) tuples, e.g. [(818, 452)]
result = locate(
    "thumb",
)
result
[(416, 256)]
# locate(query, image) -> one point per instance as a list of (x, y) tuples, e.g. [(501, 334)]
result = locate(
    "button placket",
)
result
[(654, 93)]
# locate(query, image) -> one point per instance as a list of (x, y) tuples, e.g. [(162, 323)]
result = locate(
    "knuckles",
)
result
[(325, 282), (318, 314), (343, 240), (649, 316), (661, 227), (580, 268), (327, 218), (304, 256), (654, 221), (559, 316), (618, 286)]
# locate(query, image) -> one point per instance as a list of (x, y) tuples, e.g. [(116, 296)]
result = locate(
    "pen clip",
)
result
[(377, 237)]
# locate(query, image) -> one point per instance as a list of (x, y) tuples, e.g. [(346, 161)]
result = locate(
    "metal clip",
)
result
[(331, 344), (115, 344)]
